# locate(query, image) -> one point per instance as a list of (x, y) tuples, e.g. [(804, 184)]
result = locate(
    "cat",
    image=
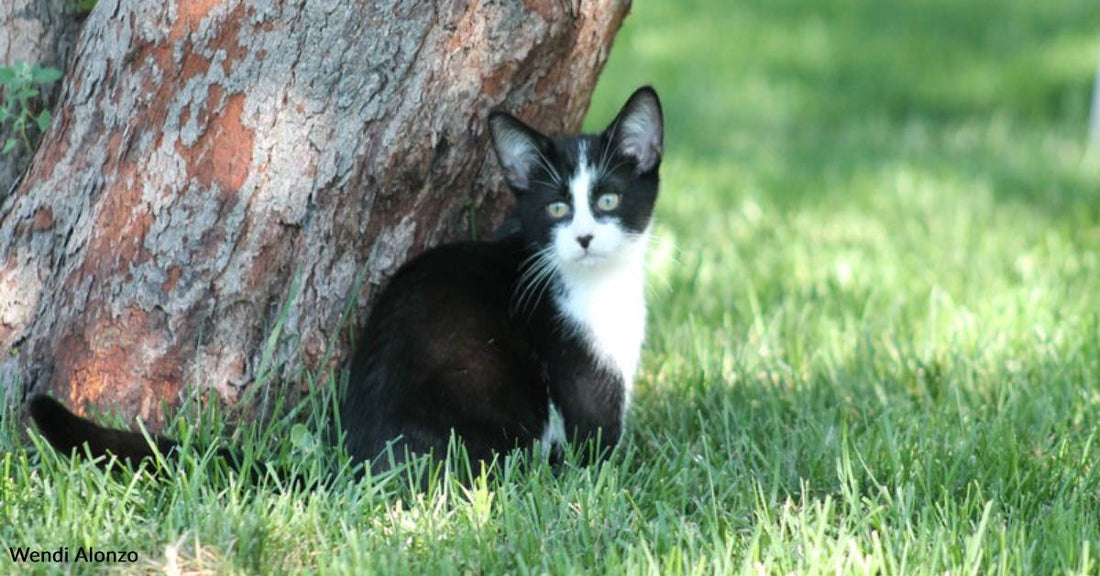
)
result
[(531, 337)]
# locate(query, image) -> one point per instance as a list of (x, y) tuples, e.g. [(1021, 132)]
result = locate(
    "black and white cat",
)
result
[(531, 337)]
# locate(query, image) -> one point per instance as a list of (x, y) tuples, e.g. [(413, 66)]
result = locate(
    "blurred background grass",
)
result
[(860, 168)]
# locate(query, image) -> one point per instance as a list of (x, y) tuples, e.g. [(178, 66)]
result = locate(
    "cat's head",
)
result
[(586, 199)]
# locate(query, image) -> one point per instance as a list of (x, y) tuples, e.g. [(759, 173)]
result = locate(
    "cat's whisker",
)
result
[(531, 295), (520, 305), (647, 236), (541, 285), (535, 256), (549, 167), (530, 266), (533, 273), (608, 151), (525, 282), (549, 268), (522, 285), (616, 166), (650, 237)]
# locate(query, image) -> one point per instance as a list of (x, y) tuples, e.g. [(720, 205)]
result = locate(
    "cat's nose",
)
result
[(584, 240)]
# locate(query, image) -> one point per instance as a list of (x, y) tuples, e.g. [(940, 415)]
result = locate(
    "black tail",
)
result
[(66, 431)]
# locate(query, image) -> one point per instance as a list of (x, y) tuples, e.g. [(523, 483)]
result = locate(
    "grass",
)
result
[(874, 342)]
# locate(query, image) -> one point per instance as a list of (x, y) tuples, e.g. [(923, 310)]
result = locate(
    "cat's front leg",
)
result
[(593, 408)]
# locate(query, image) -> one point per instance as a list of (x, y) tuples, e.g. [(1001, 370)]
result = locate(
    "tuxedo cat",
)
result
[(532, 337)]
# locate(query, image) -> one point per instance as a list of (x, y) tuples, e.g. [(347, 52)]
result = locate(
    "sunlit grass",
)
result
[(874, 337)]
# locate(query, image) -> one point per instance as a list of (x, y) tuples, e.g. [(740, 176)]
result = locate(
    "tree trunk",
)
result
[(37, 32), (208, 154)]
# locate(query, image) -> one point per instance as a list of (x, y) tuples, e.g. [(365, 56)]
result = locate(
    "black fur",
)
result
[(446, 348), (67, 432)]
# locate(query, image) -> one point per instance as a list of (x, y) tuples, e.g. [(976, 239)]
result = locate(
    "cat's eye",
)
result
[(608, 201), (557, 210)]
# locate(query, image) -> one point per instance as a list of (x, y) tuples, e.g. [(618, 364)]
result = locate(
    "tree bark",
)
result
[(37, 32), (208, 154)]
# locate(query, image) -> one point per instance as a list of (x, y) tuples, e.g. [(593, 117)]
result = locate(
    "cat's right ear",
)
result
[(519, 148)]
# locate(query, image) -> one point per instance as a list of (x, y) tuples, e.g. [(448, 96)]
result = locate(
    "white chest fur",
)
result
[(606, 305)]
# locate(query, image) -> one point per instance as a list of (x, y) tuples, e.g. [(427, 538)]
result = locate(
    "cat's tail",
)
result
[(66, 431)]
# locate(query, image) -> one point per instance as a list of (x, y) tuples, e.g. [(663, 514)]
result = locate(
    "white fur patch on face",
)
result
[(580, 189), (605, 238)]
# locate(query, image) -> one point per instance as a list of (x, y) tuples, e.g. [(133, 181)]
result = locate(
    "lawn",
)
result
[(874, 339)]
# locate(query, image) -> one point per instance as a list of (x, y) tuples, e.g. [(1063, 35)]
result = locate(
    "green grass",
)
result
[(874, 342)]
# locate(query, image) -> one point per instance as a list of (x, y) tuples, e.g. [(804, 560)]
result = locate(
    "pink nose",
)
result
[(584, 240)]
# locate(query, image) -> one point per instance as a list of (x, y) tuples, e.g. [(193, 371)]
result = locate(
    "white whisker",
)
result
[(607, 152), (549, 167), (545, 183), (538, 269), (616, 167), (539, 286)]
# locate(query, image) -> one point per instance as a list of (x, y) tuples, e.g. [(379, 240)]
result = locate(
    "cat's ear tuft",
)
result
[(638, 131), (518, 146)]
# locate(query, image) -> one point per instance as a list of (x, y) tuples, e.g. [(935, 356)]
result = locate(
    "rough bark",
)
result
[(37, 32), (207, 152)]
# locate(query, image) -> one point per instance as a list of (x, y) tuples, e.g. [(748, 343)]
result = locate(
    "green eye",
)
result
[(558, 210), (608, 201)]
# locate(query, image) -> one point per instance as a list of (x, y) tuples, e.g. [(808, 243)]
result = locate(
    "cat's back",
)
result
[(454, 281), (446, 313)]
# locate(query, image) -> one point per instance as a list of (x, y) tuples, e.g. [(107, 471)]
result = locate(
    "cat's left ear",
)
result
[(638, 131)]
